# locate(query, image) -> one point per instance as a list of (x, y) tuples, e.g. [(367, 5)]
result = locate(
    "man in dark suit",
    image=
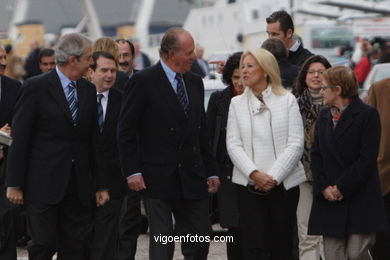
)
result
[(164, 147), (280, 25), (102, 73), (8, 94), (53, 159), (130, 220)]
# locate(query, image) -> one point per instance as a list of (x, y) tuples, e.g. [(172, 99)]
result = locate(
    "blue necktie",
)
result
[(72, 101), (100, 112), (181, 93)]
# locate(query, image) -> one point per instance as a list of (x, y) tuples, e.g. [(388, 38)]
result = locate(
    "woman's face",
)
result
[(252, 74), (329, 93), (314, 76), (237, 82)]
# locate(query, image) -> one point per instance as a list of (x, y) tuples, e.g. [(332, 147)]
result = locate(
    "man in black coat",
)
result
[(130, 221), (280, 25), (52, 161), (8, 94), (102, 73), (165, 150)]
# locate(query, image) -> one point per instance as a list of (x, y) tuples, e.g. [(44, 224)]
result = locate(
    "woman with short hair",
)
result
[(347, 206), (265, 143), (308, 86)]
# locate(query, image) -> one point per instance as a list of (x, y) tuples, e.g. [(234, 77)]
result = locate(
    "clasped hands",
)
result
[(332, 193), (263, 181)]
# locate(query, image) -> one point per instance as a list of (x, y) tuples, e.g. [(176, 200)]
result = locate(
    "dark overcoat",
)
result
[(217, 113), (346, 156)]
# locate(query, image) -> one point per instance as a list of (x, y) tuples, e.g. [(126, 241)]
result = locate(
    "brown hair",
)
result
[(345, 78)]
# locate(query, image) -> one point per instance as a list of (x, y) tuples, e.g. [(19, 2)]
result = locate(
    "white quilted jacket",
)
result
[(267, 138)]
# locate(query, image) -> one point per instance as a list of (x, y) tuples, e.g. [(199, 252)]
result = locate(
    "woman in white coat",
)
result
[(265, 143)]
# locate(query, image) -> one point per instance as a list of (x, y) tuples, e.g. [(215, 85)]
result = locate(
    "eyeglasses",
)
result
[(312, 72), (325, 87)]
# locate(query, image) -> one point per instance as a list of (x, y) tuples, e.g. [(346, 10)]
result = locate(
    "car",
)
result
[(378, 72)]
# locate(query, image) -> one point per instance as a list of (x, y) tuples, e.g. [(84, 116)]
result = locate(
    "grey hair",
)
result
[(170, 41), (72, 44)]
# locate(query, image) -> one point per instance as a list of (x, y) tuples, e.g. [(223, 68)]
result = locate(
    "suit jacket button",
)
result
[(228, 177), (194, 148), (179, 165), (172, 129), (179, 147)]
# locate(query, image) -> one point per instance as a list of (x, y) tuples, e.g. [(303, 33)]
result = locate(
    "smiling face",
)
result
[(314, 76), (125, 58), (183, 58), (253, 75)]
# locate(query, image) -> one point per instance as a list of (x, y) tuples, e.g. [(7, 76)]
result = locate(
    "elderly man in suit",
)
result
[(379, 97), (53, 159), (165, 150), (102, 73), (8, 94)]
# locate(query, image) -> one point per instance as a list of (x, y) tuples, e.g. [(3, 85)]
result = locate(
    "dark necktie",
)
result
[(72, 101), (100, 112), (181, 93)]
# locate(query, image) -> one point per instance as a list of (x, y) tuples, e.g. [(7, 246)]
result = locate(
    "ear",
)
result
[(289, 33), (338, 90), (90, 73)]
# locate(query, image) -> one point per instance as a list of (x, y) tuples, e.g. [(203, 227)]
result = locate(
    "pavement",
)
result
[(217, 250)]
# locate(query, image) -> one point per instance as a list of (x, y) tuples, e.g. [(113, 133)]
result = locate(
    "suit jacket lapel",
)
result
[(56, 90), (112, 110), (167, 92), (81, 92)]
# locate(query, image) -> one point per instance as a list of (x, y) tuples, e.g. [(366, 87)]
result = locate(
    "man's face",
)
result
[(104, 75), (184, 57), (274, 31), (3, 61), (47, 63), (125, 58), (82, 63)]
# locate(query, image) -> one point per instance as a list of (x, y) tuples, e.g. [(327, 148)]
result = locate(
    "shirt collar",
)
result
[(105, 93), (295, 46), (64, 79), (169, 72)]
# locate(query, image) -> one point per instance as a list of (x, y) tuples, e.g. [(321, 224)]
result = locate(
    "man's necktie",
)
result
[(181, 93), (100, 112), (72, 101)]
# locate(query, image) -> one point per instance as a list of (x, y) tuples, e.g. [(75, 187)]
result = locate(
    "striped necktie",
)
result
[(181, 93), (72, 101), (100, 111)]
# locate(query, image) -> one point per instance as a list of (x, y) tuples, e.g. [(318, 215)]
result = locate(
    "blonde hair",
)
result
[(107, 44), (270, 66)]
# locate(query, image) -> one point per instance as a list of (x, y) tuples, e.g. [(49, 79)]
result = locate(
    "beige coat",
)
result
[(379, 97)]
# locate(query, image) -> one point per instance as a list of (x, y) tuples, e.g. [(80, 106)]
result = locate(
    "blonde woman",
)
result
[(265, 143)]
